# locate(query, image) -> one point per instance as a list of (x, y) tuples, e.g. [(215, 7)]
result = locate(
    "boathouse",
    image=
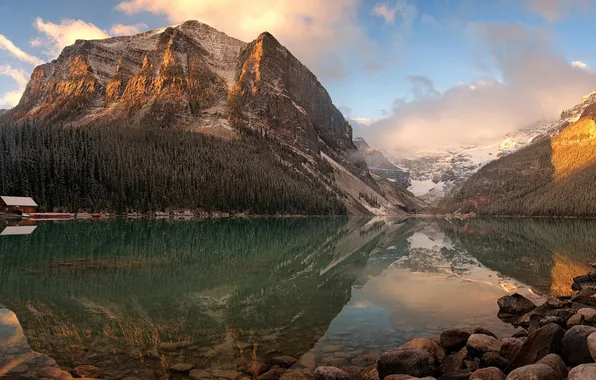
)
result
[(17, 204)]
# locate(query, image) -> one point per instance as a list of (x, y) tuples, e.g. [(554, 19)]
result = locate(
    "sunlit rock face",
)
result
[(574, 149), (172, 76)]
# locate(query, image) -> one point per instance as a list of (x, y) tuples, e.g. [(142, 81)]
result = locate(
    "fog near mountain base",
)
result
[(536, 82)]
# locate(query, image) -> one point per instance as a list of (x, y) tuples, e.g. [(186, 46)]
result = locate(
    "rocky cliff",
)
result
[(193, 77)]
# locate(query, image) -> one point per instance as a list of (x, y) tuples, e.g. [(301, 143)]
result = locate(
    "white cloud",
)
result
[(554, 10), (536, 82), (325, 35), (406, 11), (580, 65), (19, 75), (6, 44), (11, 98), (127, 30), (57, 36), (385, 12), (366, 121)]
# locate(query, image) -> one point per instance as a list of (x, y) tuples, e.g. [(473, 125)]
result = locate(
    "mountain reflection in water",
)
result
[(133, 297)]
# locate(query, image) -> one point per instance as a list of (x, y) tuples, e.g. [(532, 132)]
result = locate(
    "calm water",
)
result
[(237, 292)]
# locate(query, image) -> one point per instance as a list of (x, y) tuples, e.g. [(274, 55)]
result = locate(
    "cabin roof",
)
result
[(18, 230), (18, 201)]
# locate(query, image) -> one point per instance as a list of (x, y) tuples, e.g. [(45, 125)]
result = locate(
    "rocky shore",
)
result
[(555, 340)]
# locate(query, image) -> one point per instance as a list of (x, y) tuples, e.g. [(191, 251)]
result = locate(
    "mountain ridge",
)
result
[(192, 77), (551, 176)]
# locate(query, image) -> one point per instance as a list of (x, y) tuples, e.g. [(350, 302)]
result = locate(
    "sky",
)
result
[(411, 75)]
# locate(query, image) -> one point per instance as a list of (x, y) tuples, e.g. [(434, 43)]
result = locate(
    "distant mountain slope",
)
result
[(381, 166), (435, 175), (553, 176), (194, 78)]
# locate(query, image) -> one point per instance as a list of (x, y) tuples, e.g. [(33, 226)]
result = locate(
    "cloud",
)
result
[(534, 82), (58, 36), (324, 35), (6, 44), (385, 12), (402, 8), (11, 98), (19, 75), (554, 10), (580, 65), (127, 30)]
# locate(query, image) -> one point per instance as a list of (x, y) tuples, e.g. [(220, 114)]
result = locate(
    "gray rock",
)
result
[(415, 362), (454, 339), (592, 345), (511, 347), (425, 344), (490, 373), (481, 330), (455, 362), (574, 345), (540, 343), (556, 363), (331, 373), (515, 304), (552, 319), (583, 372), (534, 372), (494, 359), (479, 344)]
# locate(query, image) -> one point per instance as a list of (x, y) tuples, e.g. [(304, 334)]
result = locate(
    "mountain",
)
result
[(434, 175), (3, 111), (193, 78), (381, 166), (552, 176)]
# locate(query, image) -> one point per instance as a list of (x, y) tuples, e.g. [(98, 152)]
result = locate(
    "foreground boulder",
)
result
[(540, 343), (414, 362), (479, 344), (534, 372), (454, 339), (555, 362), (511, 347), (455, 362), (490, 373), (583, 372), (592, 345), (331, 373), (574, 345), (426, 345), (515, 304)]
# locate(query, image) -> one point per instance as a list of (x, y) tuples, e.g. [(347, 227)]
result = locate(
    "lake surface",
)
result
[(234, 293)]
